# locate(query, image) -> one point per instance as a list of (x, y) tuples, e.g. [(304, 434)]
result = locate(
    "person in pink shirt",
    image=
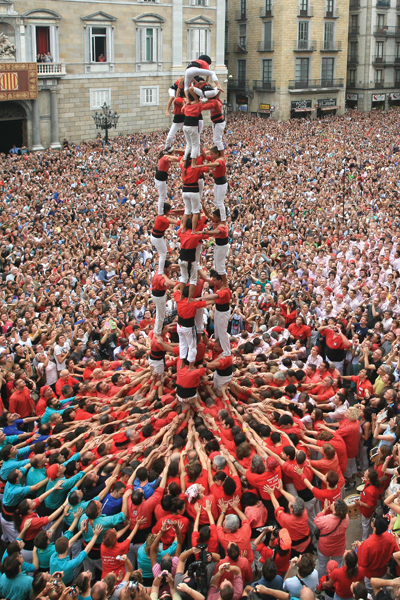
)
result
[(332, 523)]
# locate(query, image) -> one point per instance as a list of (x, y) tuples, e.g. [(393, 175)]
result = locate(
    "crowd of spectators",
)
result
[(111, 488)]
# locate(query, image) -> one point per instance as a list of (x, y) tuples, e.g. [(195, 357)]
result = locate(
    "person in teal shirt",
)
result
[(12, 459), (11, 439), (14, 491), (13, 583), (38, 472), (43, 549), (60, 561), (53, 407), (144, 561), (93, 517), (55, 473)]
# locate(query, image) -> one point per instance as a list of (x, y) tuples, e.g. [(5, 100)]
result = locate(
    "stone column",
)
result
[(220, 35), (178, 27), (54, 135), (36, 139)]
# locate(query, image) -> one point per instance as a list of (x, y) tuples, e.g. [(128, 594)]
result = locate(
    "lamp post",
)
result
[(106, 120)]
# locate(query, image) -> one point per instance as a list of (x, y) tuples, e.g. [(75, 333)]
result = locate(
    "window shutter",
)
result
[(189, 45), (202, 42), (90, 44), (143, 44), (195, 44), (159, 45)]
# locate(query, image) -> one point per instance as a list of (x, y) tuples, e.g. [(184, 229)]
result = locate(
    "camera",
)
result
[(133, 586), (197, 570)]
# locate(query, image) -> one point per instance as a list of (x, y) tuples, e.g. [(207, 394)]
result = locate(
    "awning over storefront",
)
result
[(329, 107), (304, 109)]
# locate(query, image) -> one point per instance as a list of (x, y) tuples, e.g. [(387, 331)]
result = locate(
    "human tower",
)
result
[(190, 96)]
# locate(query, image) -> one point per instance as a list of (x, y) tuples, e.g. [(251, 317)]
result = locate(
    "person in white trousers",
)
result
[(218, 171), (161, 282), (222, 367), (165, 158), (157, 238), (222, 296), (199, 68), (222, 246)]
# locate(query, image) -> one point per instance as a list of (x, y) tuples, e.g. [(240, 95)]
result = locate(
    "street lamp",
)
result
[(106, 120)]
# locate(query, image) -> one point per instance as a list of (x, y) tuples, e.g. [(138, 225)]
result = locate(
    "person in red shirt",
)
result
[(300, 331), (222, 296), (111, 548), (375, 552), (362, 384), (368, 499), (157, 238), (261, 474), (278, 548), (187, 257), (332, 492), (188, 381), (225, 488), (222, 246), (186, 324), (192, 112), (218, 165), (165, 158), (349, 429), (223, 368), (196, 494), (64, 379), (176, 516), (21, 401), (161, 282), (91, 365), (329, 462), (199, 68), (191, 190), (236, 529), (344, 577), (323, 392), (336, 344), (45, 393)]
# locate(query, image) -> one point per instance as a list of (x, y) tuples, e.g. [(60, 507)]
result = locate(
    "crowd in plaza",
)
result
[(189, 396)]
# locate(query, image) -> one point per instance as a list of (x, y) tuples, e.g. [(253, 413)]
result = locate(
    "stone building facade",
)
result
[(122, 52), (373, 78), (287, 58)]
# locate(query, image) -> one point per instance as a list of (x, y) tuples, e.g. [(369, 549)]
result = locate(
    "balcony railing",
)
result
[(305, 46), (332, 14), (241, 15), (266, 11), (379, 84), (315, 84), (51, 70), (238, 84), (352, 59), (385, 61), (383, 4), (354, 5), (330, 46), (387, 31), (264, 86), (265, 46), (238, 48), (354, 30), (308, 12)]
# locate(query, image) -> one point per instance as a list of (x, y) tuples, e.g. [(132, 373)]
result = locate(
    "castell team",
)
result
[(189, 96)]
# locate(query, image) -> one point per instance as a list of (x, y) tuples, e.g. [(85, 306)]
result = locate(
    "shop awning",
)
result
[(304, 109), (329, 107)]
